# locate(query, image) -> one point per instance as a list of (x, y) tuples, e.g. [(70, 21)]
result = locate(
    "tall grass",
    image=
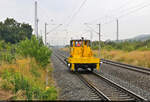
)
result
[(26, 77), (138, 58), (7, 52)]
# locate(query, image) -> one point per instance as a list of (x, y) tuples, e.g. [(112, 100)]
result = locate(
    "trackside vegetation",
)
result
[(129, 52), (127, 46), (35, 48), (23, 70)]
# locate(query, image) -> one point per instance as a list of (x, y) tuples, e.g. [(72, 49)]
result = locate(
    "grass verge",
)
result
[(137, 58), (26, 80)]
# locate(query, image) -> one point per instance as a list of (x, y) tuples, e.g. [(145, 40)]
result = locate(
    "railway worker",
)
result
[(78, 44)]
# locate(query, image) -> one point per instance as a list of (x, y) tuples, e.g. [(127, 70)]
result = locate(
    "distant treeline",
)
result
[(13, 32), (126, 45)]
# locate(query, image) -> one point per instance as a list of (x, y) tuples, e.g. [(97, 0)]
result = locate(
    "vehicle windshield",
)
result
[(78, 43), (87, 43)]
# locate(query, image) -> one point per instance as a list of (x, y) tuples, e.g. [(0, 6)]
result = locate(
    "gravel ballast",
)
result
[(70, 86), (134, 81)]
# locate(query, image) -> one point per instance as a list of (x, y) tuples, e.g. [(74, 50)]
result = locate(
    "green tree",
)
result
[(12, 31)]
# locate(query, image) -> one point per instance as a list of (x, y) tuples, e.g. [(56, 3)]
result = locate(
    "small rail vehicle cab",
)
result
[(81, 56)]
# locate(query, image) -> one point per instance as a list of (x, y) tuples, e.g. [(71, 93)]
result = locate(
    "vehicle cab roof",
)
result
[(80, 40)]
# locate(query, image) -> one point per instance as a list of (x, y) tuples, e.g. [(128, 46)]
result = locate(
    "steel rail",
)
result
[(98, 92), (127, 66), (119, 87), (93, 88), (123, 65), (87, 83)]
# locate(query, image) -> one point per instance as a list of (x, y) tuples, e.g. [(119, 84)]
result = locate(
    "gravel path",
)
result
[(71, 88)]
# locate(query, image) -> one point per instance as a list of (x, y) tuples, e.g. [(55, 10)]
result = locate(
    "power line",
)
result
[(134, 7), (54, 28), (126, 14), (75, 14), (71, 18), (91, 28), (123, 16), (127, 9), (119, 8), (121, 11), (135, 10)]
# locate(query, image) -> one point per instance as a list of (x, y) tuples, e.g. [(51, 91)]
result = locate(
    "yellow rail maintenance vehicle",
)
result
[(81, 56)]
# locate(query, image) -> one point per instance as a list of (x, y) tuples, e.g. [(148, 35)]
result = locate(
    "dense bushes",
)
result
[(7, 52), (36, 49), (25, 78)]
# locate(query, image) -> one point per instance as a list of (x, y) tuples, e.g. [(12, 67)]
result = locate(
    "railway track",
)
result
[(125, 66), (96, 94), (104, 88), (94, 89), (121, 92)]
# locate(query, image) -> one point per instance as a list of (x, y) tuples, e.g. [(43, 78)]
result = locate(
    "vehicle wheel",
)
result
[(69, 67)]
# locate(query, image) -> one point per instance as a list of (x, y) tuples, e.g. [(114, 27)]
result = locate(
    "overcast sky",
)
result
[(133, 16)]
